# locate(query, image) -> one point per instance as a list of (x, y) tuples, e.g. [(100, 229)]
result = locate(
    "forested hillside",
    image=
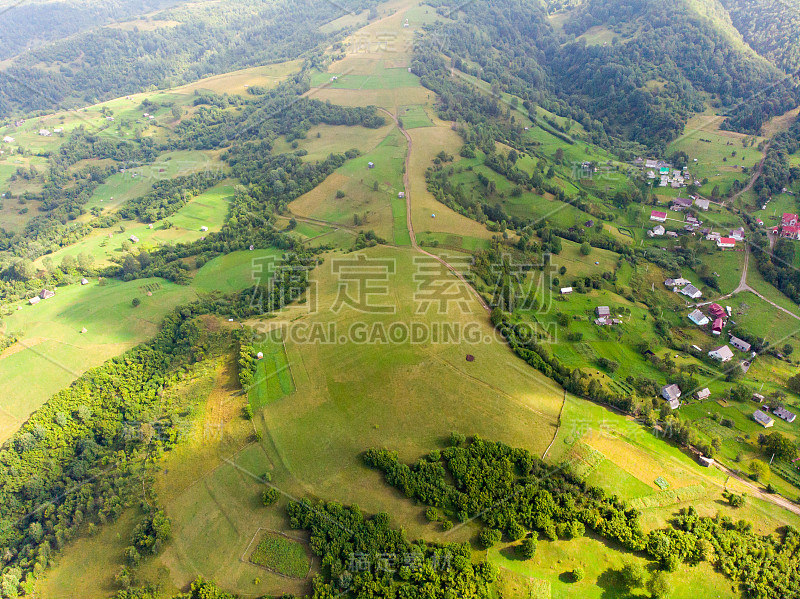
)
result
[(771, 27), (662, 64), (110, 62), (26, 25)]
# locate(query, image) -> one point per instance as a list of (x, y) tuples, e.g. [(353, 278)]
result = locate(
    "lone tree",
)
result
[(490, 537), (527, 549), (759, 470), (634, 576), (658, 586)]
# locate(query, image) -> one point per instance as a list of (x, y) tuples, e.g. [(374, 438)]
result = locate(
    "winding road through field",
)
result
[(410, 224), (743, 286)]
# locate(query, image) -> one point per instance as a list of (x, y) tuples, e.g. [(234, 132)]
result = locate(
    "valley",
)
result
[(406, 283)]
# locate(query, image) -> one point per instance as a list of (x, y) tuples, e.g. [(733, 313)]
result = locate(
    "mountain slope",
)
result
[(663, 62), (111, 61), (771, 27)]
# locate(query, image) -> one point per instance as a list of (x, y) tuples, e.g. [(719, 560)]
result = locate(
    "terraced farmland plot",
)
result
[(282, 555)]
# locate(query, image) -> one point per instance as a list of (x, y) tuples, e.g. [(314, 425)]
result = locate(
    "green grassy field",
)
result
[(602, 562), (210, 209), (414, 116), (273, 377), (122, 187), (382, 77), (235, 271), (371, 194), (51, 340), (281, 554), (713, 149)]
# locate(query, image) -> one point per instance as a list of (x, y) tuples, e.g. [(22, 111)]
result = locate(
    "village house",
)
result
[(8, 139), (679, 204), (701, 203), (603, 311), (566, 290), (740, 344), (691, 291), (726, 243), (704, 461), (788, 220), (44, 133), (671, 234), (703, 394), (679, 282), (758, 397), (712, 236), (656, 231), (698, 318), (34, 300), (671, 394), (722, 354), (784, 414), (716, 311), (84, 281), (657, 216), (716, 328), (370, 165), (738, 234), (134, 239), (763, 419), (790, 232)]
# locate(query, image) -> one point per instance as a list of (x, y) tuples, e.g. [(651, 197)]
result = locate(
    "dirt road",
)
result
[(410, 224)]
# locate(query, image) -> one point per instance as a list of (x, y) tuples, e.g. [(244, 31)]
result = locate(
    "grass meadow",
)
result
[(51, 341), (281, 554)]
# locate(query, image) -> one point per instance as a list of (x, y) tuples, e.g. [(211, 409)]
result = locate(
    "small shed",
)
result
[(763, 419), (704, 461), (401, 195), (84, 281)]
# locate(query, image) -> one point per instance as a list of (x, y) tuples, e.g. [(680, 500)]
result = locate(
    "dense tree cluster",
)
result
[(167, 197), (771, 27), (512, 492), (79, 457), (365, 557), (607, 88), (111, 62)]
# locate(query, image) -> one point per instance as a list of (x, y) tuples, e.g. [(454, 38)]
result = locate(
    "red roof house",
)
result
[(726, 242), (658, 216), (790, 232), (788, 219), (717, 311), (717, 327)]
